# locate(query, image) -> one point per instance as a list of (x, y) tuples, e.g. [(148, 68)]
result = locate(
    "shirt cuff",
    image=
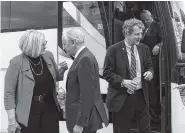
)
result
[(122, 83)]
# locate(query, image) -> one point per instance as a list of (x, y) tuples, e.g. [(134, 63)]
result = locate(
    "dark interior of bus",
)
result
[(124, 10)]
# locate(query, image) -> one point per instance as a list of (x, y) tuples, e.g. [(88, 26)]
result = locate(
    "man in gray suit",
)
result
[(85, 111)]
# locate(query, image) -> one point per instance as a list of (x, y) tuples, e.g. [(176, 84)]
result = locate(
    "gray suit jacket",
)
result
[(116, 68), (19, 84), (84, 105)]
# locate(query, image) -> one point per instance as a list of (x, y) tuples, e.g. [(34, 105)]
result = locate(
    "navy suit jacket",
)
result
[(116, 68), (84, 105)]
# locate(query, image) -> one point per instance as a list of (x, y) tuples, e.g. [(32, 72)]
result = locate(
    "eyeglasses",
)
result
[(45, 42)]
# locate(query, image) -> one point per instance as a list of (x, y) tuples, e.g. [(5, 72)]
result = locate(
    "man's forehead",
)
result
[(136, 27), (145, 15)]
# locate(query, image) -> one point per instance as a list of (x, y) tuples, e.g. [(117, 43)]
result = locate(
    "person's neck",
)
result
[(34, 59), (128, 42), (78, 48), (150, 24)]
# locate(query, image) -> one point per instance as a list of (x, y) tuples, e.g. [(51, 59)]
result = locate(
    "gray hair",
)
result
[(129, 24), (64, 38), (75, 35), (31, 42), (147, 12)]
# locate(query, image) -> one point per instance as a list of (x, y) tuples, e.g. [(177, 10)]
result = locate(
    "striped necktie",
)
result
[(133, 64)]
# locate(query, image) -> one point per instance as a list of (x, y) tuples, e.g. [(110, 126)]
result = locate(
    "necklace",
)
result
[(36, 63), (38, 74)]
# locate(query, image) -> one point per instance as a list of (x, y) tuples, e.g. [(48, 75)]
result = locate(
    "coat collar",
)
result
[(123, 51), (77, 58)]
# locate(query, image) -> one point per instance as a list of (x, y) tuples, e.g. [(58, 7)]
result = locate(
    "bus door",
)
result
[(123, 10), (177, 66), (172, 66)]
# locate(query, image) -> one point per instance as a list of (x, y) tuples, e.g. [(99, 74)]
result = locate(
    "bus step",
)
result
[(136, 131)]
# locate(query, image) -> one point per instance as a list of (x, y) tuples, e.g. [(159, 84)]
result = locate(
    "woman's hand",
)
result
[(13, 125), (63, 65)]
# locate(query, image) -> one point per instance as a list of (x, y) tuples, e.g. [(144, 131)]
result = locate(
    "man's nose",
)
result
[(140, 36), (64, 48)]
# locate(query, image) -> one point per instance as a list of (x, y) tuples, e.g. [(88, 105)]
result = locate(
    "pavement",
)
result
[(63, 129)]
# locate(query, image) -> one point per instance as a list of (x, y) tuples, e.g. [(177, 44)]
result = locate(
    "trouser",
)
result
[(43, 118), (134, 106)]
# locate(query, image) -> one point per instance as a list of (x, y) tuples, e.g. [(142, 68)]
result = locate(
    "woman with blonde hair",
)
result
[(30, 96)]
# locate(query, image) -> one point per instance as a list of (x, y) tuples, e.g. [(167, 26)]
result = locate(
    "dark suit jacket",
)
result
[(151, 38), (116, 68), (84, 105)]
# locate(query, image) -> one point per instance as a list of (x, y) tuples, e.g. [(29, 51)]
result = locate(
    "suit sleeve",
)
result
[(148, 62), (87, 82), (109, 72), (11, 79)]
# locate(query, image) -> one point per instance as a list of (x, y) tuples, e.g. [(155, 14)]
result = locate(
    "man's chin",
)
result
[(137, 43)]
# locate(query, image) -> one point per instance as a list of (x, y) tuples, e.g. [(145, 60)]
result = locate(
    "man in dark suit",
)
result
[(127, 66), (152, 38), (85, 110)]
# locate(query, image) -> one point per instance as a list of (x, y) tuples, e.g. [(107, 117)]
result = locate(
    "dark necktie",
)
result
[(133, 64)]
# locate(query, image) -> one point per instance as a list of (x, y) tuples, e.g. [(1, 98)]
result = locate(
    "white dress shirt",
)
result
[(138, 64), (78, 52)]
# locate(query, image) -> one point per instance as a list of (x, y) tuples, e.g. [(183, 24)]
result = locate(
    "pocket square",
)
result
[(123, 48)]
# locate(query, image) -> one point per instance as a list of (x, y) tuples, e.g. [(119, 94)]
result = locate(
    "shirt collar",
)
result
[(127, 45), (78, 52)]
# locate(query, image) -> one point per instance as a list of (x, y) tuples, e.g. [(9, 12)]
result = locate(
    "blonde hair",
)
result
[(31, 42), (129, 25), (75, 35)]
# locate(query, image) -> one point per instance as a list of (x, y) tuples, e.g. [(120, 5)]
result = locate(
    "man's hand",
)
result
[(63, 65), (148, 75), (180, 87), (156, 50), (129, 84), (13, 126), (77, 129)]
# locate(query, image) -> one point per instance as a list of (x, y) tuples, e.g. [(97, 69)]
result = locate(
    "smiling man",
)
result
[(127, 67)]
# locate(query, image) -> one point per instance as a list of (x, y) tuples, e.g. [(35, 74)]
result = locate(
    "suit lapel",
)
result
[(74, 64), (26, 68), (124, 53)]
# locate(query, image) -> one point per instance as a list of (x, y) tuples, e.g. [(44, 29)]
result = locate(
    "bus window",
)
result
[(86, 16), (5, 12), (19, 16)]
